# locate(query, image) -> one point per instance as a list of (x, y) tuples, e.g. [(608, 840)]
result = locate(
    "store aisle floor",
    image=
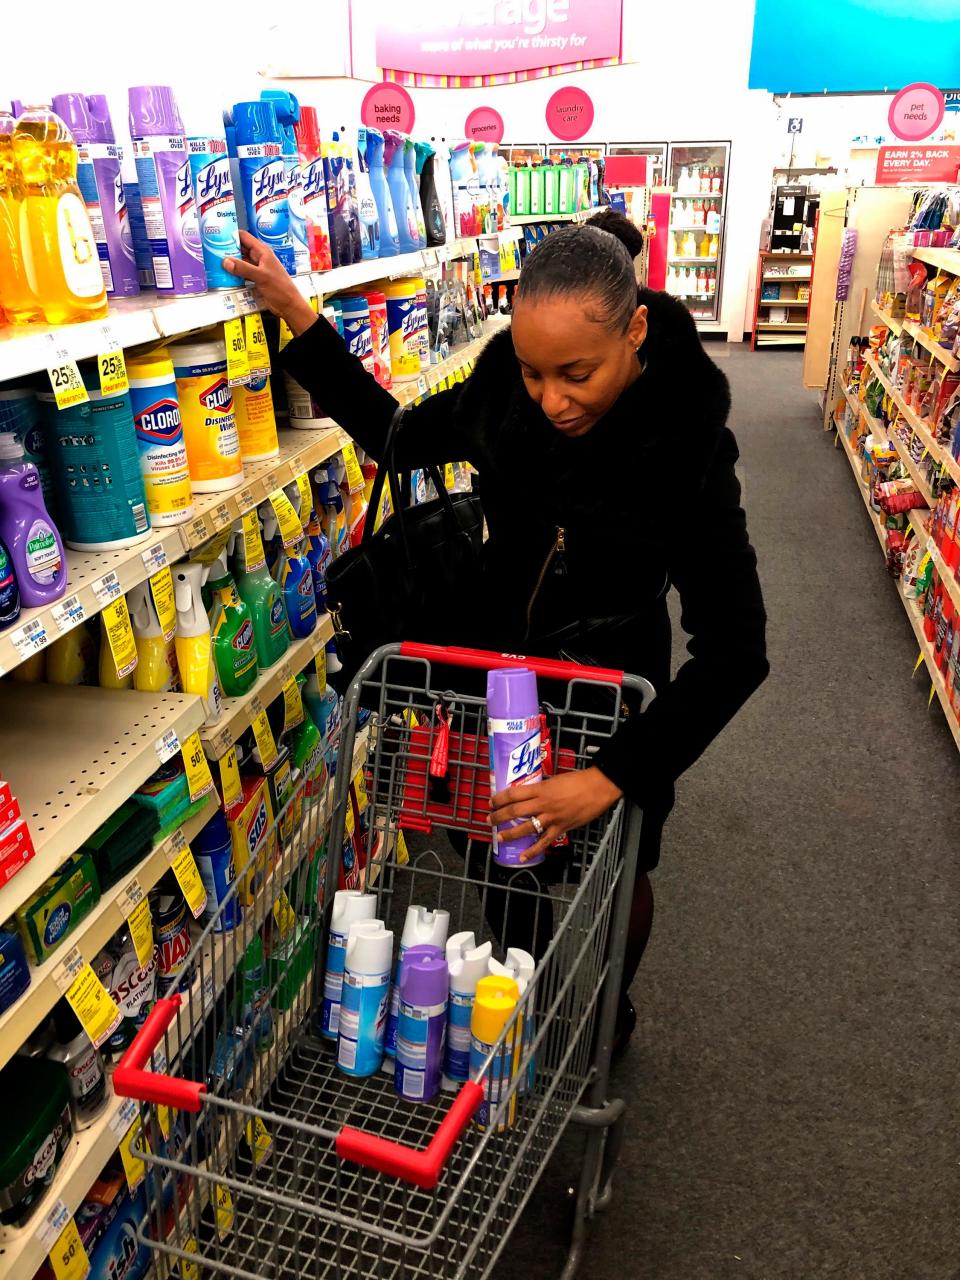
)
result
[(793, 1082)]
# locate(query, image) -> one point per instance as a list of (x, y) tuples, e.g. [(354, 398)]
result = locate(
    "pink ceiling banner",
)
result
[(461, 44)]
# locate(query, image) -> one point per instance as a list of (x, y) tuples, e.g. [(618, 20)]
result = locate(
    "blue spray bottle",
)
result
[(393, 148), (263, 202), (287, 108), (291, 571), (389, 236), (365, 995), (366, 202)]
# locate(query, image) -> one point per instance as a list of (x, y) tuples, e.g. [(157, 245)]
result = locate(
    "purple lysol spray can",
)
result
[(422, 1025), (166, 190), (98, 177), (513, 711)]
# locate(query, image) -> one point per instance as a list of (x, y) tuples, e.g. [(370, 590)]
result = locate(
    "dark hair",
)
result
[(627, 232), (584, 262)]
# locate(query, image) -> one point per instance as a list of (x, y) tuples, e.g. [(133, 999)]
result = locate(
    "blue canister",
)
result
[(100, 498), (356, 330), (216, 207), (213, 850), (422, 1024), (349, 906), (20, 414), (14, 970), (287, 110), (365, 997), (263, 178)]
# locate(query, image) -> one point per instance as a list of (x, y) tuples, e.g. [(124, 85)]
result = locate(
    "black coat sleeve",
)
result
[(432, 431), (714, 569)]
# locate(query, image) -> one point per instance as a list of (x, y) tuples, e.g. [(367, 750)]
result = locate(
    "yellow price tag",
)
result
[(68, 388), (360, 787), (258, 1139), (189, 1270), (225, 1214), (354, 473), (286, 334), (133, 1165), (349, 822), (188, 878), (163, 1120), (291, 530), (230, 778), (140, 924), (403, 855), (263, 734), (321, 665), (292, 705), (258, 354), (68, 1258), (238, 363), (449, 477), (284, 915), (92, 1003), (306, 497), (119, 632), (161, 588), (199, 777), (253, 556), (113, 373), (460, 376)]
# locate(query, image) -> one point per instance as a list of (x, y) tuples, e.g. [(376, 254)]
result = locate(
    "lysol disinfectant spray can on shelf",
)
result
[(287, 109), (466, 964), (307, 133), (513, 710), (100, 183), (263, 179), (493, 1006), (349, 907), (216, 206), (163, 454), (422, 1024), (166, 190), (365, 996), (422, 928), (520, 966)]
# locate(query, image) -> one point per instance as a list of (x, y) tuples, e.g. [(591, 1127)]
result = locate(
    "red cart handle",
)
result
[(131, 1080), (422, 1168), (549, 668)]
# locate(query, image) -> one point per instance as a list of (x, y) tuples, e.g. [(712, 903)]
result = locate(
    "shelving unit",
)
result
[(767, 332), (527, 219)]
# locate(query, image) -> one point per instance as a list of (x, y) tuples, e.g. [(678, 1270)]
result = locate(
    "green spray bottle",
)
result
[(231, 631), (259, 592)]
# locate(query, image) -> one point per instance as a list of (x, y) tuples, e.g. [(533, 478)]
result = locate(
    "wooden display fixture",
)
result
[(793, 297)]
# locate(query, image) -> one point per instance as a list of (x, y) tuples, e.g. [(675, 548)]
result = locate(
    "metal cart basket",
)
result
[(264, 1161)]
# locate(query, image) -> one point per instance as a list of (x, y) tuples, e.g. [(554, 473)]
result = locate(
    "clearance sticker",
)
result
[(292, 705), (238, 362), (68, 1258), (253, 556), (306, 496), (135, 905), (230, 778), (354, 473), (113, 373), (199, 777), (263, 734), (92, 1003), (291, 529), (188, 877), (123, 647), (258, 356), (161, 588)]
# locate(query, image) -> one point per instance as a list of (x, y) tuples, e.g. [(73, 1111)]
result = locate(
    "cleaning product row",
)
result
[(551, 189)]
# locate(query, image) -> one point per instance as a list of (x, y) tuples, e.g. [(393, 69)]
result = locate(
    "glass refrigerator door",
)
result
[(698, 178)]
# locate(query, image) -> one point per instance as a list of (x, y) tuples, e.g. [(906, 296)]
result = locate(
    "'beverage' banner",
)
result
[(470, 43)]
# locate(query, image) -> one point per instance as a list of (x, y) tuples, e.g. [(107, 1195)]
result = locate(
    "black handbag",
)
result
[(414, 577)]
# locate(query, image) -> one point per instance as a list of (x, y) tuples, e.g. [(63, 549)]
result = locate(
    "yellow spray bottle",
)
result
[(157, 670), (194, 649)]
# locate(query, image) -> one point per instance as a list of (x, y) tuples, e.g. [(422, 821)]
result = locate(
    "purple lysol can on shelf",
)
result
[(166, 190), (98, 176), (422, 1024), (513, 720)]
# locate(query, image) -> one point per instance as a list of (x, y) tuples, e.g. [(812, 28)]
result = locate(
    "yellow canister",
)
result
[(403, 322), (253, 405), (207, 412), (163, 454)]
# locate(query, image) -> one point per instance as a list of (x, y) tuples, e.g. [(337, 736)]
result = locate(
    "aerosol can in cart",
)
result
[(513, 710)]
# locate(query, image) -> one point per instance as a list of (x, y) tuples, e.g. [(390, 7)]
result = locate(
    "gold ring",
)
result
[(537, 825)]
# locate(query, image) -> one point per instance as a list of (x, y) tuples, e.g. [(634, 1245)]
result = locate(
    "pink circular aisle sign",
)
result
[(483, 124), (916, 112), (388, 106), (569, 113)]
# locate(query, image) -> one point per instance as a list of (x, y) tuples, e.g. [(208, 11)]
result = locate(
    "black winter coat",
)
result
[(646, 500)]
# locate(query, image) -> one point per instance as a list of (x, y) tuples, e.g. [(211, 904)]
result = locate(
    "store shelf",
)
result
[(903, 450), (853, 458), (526, 219), (299, 451), (239, 713), (783, 302), (782, 340), (798, 326), (508, 277), (947, 576), (410, 392), (893, 325), (694, 226), (927, 340), (72, 756), (782, 277), (943, 456), (93, 577), (781, 255), (31, 348), (926, 650), (22, 1018), (690, 262), (942, 259)]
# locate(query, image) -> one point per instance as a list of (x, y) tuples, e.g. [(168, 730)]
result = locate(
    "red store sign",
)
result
[(917, 164)]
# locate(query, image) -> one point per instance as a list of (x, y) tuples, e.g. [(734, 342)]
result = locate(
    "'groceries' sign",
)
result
[(480, 37)]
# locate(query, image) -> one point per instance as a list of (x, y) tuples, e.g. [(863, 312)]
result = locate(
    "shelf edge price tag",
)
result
[(188, 878), (230, 778), (68, 1257), (252, 542), (123, 647), (135, 905), (258, 1139), (133, 1165), (258, 355), (238, 363), (292, 705), (106, 588), (291, 530), (65, 381), (29, 639), (263, 734), (95, 1008), (225, 1214), (199, 777), (161, 588), (167, 746), (354, 474), (302, 482), (112, 371), (68, 614)]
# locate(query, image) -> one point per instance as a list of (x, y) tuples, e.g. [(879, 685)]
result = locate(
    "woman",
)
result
[(597, 425)]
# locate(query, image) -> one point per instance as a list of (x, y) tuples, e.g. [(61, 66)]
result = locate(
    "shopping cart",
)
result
[(262, 1159)]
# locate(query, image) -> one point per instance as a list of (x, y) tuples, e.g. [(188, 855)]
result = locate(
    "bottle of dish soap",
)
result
[(32, 541), (231, 632), (198, 673), (259, 592), (59, 249), (19, 304)]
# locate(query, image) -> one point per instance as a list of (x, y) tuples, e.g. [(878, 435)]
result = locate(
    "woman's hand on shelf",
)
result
[(561, 804), (275, 289)]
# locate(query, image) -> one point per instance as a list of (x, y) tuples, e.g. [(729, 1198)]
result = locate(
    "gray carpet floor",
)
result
[(793, 1081)]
